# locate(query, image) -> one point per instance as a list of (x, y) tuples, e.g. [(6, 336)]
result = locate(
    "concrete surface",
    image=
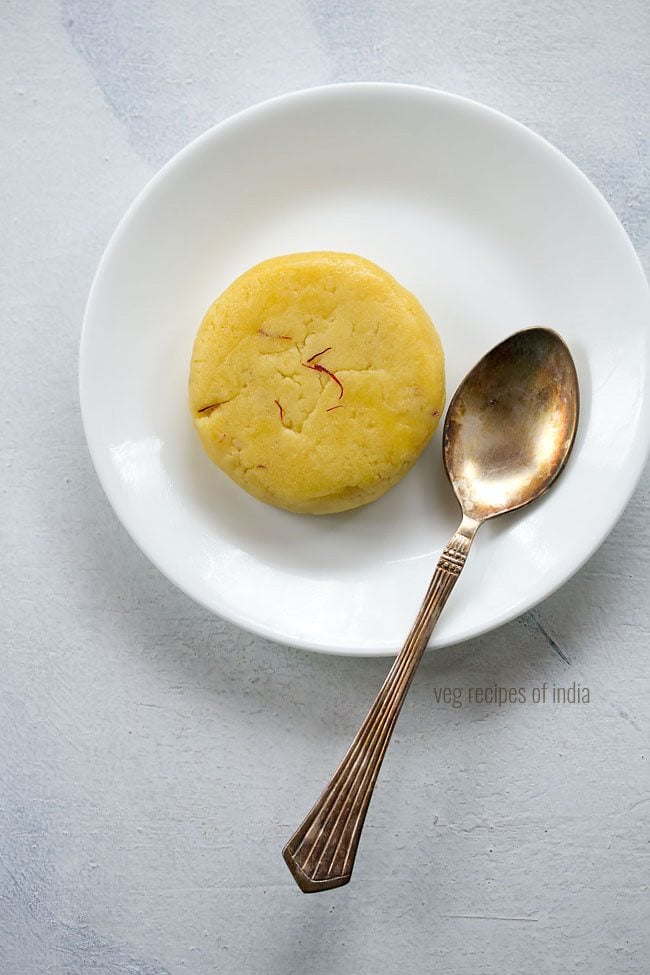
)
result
[(153, 759)]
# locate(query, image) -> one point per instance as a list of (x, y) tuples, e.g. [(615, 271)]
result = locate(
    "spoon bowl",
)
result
[(511, 424)]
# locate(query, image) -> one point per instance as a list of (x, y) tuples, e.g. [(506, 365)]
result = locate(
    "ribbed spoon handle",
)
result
[(321, 852)]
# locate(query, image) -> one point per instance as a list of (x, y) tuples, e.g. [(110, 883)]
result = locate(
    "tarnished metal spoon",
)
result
[(508, 433)]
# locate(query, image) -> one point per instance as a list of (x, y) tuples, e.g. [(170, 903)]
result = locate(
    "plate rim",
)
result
[(241, 619)]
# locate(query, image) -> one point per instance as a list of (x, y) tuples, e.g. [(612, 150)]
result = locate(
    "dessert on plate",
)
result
[(316, 381)]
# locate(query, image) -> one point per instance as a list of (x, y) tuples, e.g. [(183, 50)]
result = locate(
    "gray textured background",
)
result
[(153, 759)]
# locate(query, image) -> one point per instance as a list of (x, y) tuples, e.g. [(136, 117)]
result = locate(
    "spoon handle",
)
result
[(321, 852)]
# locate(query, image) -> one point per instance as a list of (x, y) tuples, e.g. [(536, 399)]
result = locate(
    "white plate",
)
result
[(493, 230)]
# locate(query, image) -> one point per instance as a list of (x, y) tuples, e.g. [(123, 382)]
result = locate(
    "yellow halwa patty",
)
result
[(316, 381)]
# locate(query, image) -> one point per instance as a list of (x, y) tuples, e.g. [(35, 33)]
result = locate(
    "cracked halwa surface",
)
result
[(316, 381)]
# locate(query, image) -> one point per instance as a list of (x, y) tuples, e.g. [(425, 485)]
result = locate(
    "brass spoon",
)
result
[(508, 433)]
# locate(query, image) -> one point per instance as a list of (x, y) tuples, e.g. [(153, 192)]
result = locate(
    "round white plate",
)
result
[(493, 230)]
